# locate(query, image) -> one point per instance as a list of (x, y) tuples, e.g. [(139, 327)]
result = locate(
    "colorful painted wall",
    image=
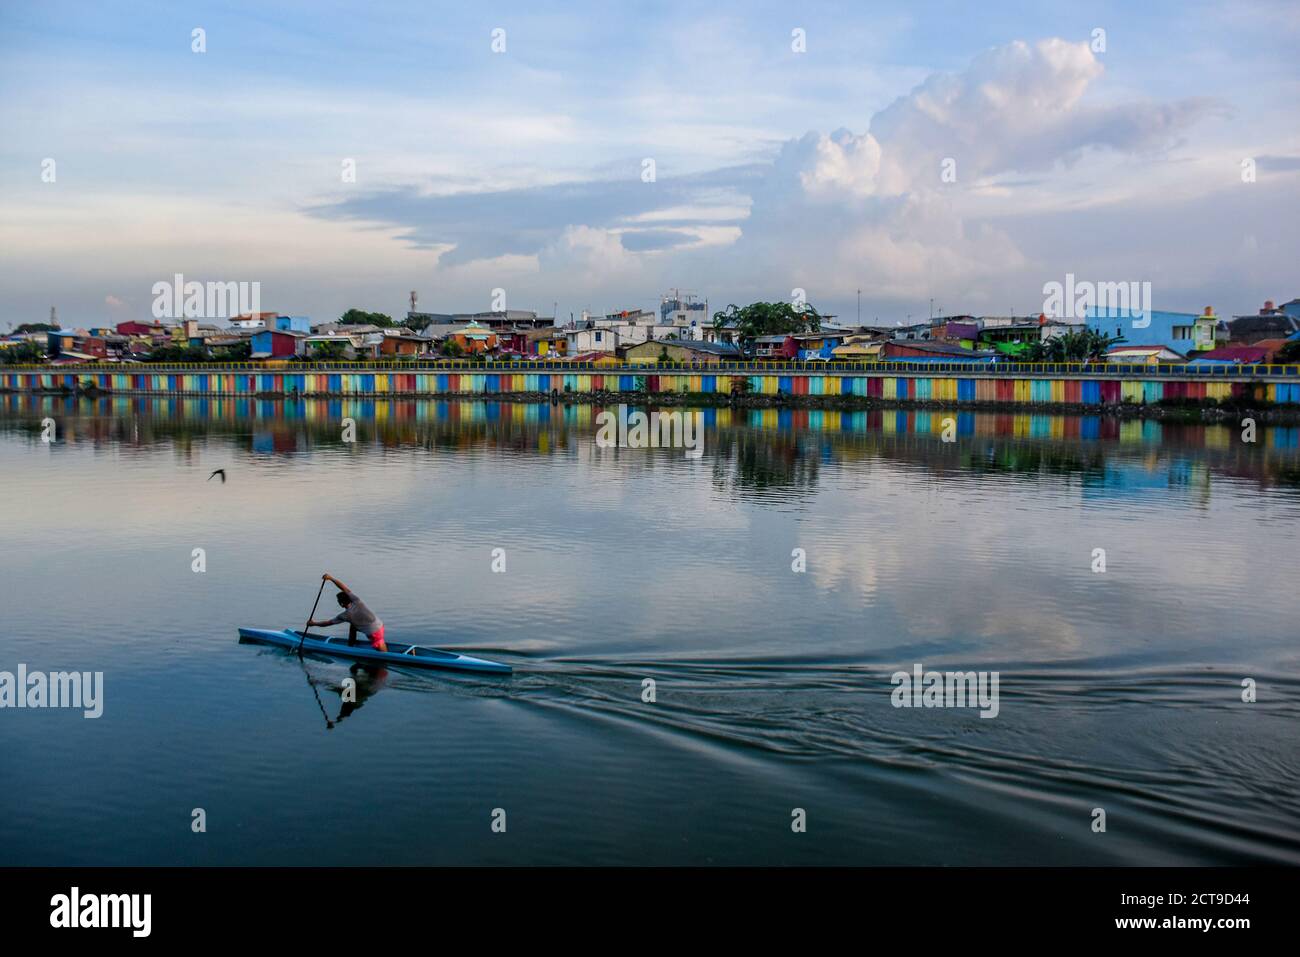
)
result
[(914, 388)]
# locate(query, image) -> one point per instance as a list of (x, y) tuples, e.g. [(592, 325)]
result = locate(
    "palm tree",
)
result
[(1085, 345)]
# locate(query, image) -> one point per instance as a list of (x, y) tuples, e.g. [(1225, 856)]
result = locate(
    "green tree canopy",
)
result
[(358, 317), (767, 319), (174, 353), (328, 351), (22, 352), (35, 327), (1081, 346), (1289, 353)]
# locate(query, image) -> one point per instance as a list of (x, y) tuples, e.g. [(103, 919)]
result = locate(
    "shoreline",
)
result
[(1207, 411)]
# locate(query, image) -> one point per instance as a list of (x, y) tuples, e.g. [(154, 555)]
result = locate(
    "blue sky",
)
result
[(522, 170)]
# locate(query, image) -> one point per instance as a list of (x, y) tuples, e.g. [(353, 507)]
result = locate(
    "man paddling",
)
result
[(356, 614)]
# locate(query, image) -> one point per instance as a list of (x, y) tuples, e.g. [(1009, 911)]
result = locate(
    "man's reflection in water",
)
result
[(369, 681)]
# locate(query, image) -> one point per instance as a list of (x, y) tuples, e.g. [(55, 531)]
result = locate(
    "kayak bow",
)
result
[(399, 654)]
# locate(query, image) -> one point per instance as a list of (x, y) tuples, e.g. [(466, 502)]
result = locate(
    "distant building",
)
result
[(402, 342), (685, 310), (937, 351), (1144, 355), (499, 319), (293, 323), (817, 345), (1183, 332), (590, 339), (255, 320), (780, 346), (681, 350), (278, 344), (1270, 322), (547, 342), (1260, 352), (859, 351), (474, 338)]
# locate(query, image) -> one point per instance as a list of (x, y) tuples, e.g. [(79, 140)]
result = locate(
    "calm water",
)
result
[(1119, 690)]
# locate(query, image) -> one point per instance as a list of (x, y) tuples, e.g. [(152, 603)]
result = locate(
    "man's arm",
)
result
[(324, 624), (342, 587)]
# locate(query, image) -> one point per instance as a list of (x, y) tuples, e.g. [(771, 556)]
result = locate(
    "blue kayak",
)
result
[(403, 656)]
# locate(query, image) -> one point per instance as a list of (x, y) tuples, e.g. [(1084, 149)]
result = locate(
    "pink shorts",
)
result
[(377, 640)]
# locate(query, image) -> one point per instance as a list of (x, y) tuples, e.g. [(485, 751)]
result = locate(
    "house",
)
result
[(858, 350), (69, 357), (894, 349), (681, 350), (498, 319), (474, 338), (779, 346), (965, 332), (197, 333), (1270, 323), (1249, 355), (294, 323), (80, 345), (818, 345), (1183, 332), (724, 331), (278, 343), (1144, 355), (402, 342), (58, 341), (590, 339), (152, 330), (255, 320), (548, 342), (603, 359)]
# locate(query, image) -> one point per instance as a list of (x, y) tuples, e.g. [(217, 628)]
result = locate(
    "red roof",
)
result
[(1248, 354)]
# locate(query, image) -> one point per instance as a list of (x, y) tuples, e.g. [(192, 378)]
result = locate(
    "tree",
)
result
[(329, 351), (171, 353), (22, 353), (1289, 353), (767, 319), (1085, 345), (35, 327), (357, 317), (236, 353)]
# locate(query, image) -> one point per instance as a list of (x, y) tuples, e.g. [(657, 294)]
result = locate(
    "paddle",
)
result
[(310, 618)]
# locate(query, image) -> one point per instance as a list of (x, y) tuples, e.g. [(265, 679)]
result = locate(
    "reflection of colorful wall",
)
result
[(918, 388), (396, 411)]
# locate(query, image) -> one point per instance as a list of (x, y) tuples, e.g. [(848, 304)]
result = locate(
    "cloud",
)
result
[(524, 221), (829, 211), (874, 208), (1016, 108)]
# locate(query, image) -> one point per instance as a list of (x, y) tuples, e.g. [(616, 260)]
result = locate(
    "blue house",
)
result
[(293, 324), (1184, 332)]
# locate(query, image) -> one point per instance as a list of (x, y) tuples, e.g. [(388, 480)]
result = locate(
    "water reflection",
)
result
[(751, 451)]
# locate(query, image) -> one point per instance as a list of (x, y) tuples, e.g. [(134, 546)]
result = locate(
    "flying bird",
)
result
[(216, 472)]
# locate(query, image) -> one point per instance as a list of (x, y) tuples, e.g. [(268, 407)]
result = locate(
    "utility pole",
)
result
[(859, 307)]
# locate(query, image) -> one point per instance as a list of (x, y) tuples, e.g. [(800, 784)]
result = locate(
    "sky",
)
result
[(945, 157)]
